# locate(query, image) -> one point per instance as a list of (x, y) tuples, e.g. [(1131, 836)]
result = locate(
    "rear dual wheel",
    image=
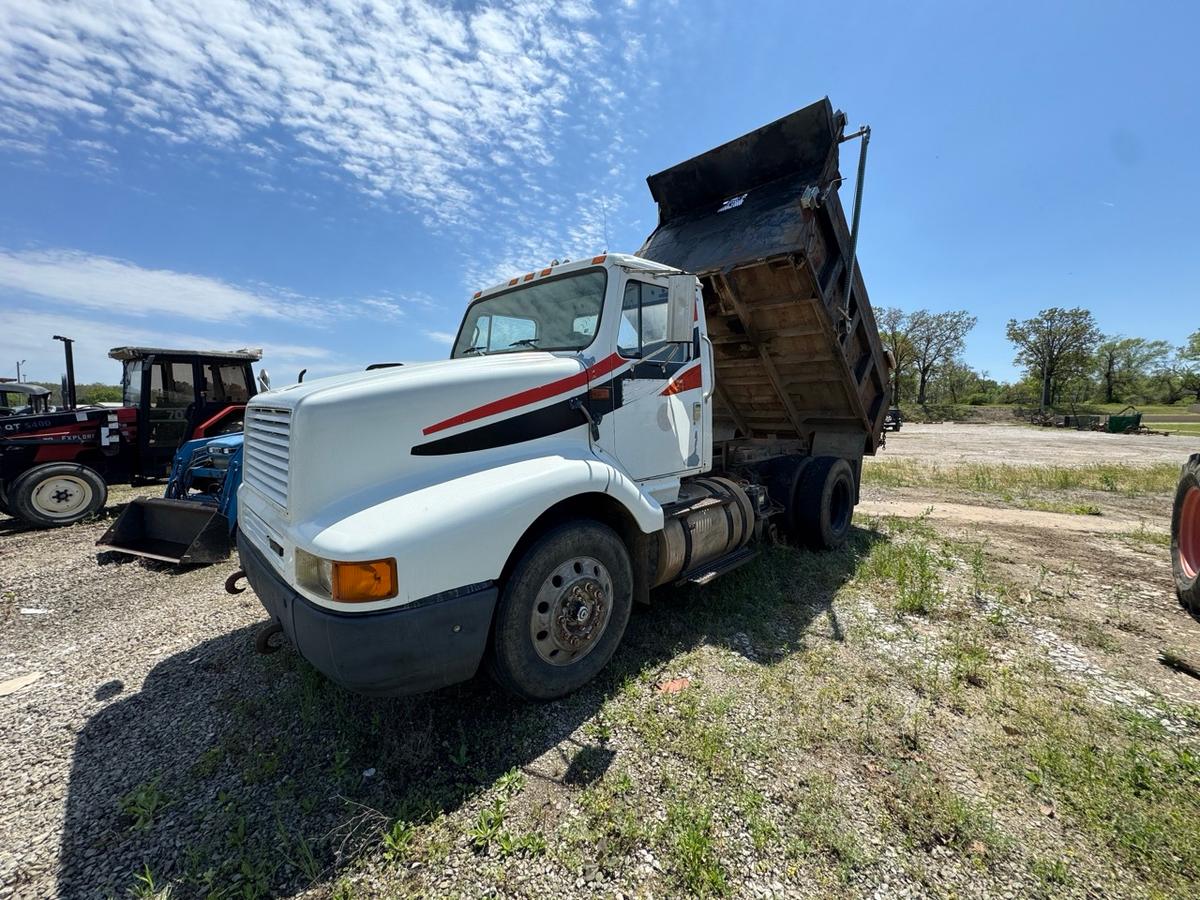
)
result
[(1185, 537), (57, 494), (822, 503)]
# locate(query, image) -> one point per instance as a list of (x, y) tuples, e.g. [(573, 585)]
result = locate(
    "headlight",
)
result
[(347, 582), (314, 573)]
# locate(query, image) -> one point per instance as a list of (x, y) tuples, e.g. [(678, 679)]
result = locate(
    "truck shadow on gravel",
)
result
[(231, 773)]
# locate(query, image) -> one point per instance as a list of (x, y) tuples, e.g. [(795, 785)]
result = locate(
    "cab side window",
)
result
[(643, 319)]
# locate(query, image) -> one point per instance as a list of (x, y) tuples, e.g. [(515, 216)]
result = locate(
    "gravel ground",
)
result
[(784, 733), (951, 444)]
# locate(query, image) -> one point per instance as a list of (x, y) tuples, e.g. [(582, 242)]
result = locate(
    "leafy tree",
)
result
[(895, 328), (1188, 357), (98, 393), (937, 338), (1122, 364), (1056, 346)]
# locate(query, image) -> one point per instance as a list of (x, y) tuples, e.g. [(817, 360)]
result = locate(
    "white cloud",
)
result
[(413, 99), (441, 337), (120, 287)]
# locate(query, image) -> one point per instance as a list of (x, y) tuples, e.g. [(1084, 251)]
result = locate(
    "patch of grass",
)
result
[(488, 824), (819, 826), (970, 657), (1147, 538), (1055, 506), (142, 804), (1004, 479), (398, 839), (689, 841), (208, 762), (144, 886), (1130, 784), (930, 813), (912, 565)]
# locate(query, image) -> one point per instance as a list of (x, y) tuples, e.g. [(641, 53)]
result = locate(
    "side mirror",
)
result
[(264, 380), (681, 308)]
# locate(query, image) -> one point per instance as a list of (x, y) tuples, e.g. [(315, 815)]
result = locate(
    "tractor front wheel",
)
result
[(57, 494), (1185, 537)]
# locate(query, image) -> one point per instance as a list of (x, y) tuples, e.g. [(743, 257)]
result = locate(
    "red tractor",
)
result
[(56, 463), (1185, 536)]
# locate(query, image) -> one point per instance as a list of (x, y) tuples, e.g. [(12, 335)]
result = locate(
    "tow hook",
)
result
[(231, 583), (262, 640)]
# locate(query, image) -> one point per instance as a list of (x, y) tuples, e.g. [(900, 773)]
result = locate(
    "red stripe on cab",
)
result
[(532, 395), (687, 380)]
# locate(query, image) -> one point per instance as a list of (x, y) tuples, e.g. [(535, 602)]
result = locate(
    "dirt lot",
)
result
[(966, 701), (950, 444)]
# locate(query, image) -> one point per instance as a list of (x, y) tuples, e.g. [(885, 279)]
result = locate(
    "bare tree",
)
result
[(1055, 346), (895, 327), (937, 338)]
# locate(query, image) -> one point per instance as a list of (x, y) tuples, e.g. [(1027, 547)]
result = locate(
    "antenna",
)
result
[(604, 211)]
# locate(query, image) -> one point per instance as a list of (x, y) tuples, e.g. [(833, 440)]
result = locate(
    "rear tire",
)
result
[(562, 612), (1185, 537), (4, 508), (57, 494), (822, 506)]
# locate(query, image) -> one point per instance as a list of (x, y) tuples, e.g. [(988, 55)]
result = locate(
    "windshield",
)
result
[(555, 314)]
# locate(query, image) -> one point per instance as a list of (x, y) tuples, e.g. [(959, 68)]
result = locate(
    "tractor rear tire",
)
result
[(4, 507), (56, 494), (1185, 537), (822, 504), (562, 612)]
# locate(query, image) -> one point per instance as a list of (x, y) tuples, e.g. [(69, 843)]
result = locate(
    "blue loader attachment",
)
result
[(195, 521)]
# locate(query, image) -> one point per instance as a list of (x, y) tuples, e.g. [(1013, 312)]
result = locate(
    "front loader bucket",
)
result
[(174, 531)]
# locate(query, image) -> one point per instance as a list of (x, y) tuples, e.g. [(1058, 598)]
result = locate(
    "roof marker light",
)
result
[(478, 294), (528, 276), (513, 281), (596, 260), (544, 272)]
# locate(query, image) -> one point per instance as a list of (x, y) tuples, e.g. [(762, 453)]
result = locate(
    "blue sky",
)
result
[(332, 181)]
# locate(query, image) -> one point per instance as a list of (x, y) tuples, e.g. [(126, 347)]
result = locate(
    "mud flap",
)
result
[(174, 531)]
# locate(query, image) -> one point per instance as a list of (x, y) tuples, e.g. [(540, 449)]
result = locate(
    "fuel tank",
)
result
[(712, 519)]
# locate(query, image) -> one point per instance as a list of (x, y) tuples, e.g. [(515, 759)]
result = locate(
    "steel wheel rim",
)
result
[(61, 496), (571, 611), (1189, 533)]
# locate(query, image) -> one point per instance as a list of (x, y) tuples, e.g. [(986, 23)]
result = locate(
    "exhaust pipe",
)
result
[(68, 394)]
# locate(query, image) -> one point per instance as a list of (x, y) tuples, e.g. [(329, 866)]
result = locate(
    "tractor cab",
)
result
[(183, 394), (18, 399)]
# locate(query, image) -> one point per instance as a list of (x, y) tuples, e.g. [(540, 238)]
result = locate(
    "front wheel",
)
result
[(563, 611), (1185, 537), (56, 494)]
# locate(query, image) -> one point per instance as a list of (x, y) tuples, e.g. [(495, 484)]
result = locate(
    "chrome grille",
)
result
[(266, 456)]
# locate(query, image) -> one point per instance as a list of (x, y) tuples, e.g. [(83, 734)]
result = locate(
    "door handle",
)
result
[(712, 365)]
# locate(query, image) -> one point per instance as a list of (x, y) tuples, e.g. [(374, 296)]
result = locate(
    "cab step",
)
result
[(718, 567)]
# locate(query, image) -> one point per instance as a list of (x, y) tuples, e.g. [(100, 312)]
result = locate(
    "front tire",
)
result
[(1185, 537), (562, 612), (57, 494)]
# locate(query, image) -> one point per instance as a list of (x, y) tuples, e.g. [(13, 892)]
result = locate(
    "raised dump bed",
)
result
[(759, 220)]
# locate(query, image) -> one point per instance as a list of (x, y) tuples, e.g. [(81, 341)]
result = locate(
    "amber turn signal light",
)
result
[(362, 582)]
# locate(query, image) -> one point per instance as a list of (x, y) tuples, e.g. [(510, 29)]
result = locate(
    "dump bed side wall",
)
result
[(789, 363)]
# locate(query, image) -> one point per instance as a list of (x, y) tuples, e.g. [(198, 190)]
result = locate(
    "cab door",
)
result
[(659, 422)]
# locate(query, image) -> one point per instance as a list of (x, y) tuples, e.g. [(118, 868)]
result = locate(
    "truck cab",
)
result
[(602, 427)]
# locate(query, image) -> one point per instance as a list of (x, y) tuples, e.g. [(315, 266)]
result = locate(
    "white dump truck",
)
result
[(603, 427)]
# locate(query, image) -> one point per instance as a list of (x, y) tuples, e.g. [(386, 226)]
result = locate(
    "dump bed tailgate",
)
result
[(759, 220)]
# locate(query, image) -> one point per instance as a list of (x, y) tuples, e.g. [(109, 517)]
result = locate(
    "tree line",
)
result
[(1065, 357)]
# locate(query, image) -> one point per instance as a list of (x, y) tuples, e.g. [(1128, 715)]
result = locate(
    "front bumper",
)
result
[(421, 646)]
